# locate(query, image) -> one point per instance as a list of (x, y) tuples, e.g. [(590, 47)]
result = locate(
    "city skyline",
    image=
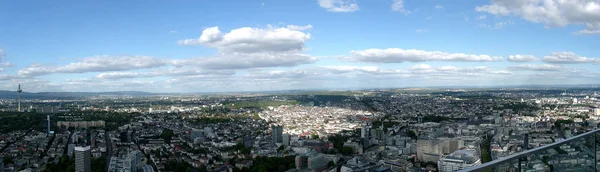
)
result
[(266, 45)]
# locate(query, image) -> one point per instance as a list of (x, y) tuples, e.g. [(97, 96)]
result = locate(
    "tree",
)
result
[(330, 164), (412, 134), (338, 141), (346, 150), (314, 136), (280, 148), (167, 135)]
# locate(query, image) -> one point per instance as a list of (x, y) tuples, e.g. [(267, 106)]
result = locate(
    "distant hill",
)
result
[(69, 95)]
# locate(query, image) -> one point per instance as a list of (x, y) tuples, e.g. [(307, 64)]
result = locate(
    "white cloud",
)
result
[(247, 47), (450, 70), (172, 31), (481, 17), (569, 57), (421, 30), (281, 74), (339, 5), (248, 60), (551, 13), (346, 69), (398, 5), (543, 67), (439, 7), (299, 28), (249, 40), (97, 64), (396, 55), (497, 25), (522, 58), (164, 72)]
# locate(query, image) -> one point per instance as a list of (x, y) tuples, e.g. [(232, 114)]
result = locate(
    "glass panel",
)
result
[(575, 154)]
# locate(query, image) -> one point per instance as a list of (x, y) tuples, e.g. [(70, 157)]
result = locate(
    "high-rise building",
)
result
[(286, 139), (82, 159), (459, 160), (365, 135), (71, 149), (277, 134), (48, 123), (597, 111)]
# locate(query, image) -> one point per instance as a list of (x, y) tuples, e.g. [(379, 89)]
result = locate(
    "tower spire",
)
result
[(19, 98)]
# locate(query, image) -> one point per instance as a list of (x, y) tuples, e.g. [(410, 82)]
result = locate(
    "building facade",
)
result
[(459, 160), (82, 159), (277, 134)]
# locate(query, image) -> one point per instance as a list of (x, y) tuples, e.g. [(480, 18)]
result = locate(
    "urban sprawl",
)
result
[(370, 130)]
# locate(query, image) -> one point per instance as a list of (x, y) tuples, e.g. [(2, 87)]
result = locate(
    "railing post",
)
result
[(519, 165)]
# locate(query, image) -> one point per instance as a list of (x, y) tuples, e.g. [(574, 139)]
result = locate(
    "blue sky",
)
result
[(253, 45)]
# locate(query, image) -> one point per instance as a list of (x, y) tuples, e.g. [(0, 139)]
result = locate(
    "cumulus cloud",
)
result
[(299, 28), (543, 67), (481, 17), (569, 57), (551, 13), (97, 64), (248, 47), (451, 70), (398, 5), (249, 40), (339, 5), (281, 74), (164, 72), (522, 58), (397, 55), (439, 7), (248, 60)]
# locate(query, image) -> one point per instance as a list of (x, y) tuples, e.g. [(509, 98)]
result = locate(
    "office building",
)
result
[(312, 161), (82, 159), (459, 160), (431, 150), (71, 149), (365, 135), (126, 161), (286, 139), (49, 125), (147, 168), (277, 134)]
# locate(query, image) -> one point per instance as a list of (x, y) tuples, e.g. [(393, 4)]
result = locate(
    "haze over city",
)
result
[(202, 46)]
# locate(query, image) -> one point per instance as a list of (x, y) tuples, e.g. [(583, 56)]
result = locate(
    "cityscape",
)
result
[(362, 130), (300, 86)]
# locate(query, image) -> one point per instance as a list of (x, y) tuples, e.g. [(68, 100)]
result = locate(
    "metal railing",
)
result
[(522, 156)]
